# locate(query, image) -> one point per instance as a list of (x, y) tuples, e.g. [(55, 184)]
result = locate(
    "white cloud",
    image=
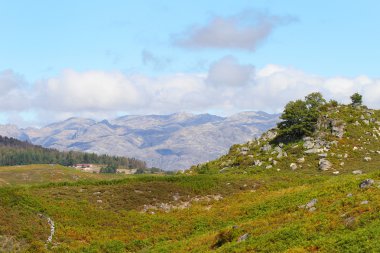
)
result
[(88, 91), (228, 72), (13, 92), (245, 30), (228, 87)]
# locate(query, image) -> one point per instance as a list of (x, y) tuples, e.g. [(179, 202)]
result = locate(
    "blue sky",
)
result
[(51, 49)]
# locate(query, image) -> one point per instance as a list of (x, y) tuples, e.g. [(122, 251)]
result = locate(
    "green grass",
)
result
[(269, 212), (45, 173), (105, 213)]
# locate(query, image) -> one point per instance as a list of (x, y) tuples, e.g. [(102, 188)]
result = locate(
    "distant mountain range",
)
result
[(170, 142)]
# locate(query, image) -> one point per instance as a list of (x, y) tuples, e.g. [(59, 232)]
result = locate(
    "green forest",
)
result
[(15, 152)]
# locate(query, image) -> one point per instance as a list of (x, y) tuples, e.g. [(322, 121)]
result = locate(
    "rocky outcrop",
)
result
[(336, 127)]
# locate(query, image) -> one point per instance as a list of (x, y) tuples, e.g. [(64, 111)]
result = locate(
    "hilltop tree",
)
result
[(314, 100), (300, 117), (356, 99)]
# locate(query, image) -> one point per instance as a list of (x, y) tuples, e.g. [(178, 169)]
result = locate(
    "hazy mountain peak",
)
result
[(174, 141)]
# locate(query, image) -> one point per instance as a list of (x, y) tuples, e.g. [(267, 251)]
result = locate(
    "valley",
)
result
[(262, 196)]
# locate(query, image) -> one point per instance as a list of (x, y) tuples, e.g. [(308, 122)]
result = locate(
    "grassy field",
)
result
[(244, 208), (45, 173), (109, 216)]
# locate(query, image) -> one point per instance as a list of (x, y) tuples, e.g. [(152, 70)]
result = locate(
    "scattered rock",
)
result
[(167, 207), (313, 151), (308, 144), (301, 160), (366, 183), (364, 202), (349, 195), (52, 227), (336, 172), (176, 197), (243, 237), (293, 166), (348, 222), (311, 203), (367, 158), (99, 201), (269, 167), (269, 135), (337, 128), (324, 164), (324, 155), (357, 172), (266, 147), (244, 149)]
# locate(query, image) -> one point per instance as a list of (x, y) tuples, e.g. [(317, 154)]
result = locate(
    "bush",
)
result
[(356, 99), (111, 168)]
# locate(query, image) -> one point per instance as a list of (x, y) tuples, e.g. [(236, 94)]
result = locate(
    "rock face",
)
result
[(170, 142)]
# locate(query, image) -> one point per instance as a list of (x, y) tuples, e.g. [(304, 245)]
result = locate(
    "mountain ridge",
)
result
[(172, 142)]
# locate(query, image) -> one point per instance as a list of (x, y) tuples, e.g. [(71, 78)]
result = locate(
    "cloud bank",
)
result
[(227, 87), (245, 31)]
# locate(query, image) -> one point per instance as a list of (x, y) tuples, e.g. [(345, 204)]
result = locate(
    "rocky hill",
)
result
[(314, 189), (345, 140), (171, 142)]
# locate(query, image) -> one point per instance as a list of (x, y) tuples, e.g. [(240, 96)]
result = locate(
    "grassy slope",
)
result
[(105, 215)]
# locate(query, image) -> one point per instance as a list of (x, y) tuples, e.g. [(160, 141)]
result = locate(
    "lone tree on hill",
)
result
[(356, 99), (300, 117)]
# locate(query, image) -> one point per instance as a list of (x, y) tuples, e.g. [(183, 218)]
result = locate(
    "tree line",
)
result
[(16, 152)]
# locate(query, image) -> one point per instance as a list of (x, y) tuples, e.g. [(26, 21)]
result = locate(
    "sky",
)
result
[(103, 59)]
